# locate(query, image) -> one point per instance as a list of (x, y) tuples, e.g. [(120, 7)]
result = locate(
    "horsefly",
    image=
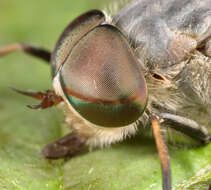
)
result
[(148, 64)]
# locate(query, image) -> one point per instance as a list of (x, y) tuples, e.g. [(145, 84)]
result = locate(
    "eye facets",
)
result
[(72, 34), (102, 79)]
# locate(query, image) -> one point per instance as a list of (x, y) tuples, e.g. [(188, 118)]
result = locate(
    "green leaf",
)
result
[(133, 164)]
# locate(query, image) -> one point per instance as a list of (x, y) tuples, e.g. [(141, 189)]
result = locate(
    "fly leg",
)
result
[(68, 145), (182, 124), (162, 151), (28, 49), (49, 98), (186, 126)]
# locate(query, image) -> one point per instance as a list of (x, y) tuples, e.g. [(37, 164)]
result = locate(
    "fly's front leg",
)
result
[(68, 145), (49, 98), (186, 126), (28, 49), (182, 124), (162, 151)]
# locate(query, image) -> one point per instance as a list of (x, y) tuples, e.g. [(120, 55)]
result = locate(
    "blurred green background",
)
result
[(130, 165)]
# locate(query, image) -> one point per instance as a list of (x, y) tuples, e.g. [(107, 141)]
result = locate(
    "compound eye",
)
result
[(102, 79), (72, 34)]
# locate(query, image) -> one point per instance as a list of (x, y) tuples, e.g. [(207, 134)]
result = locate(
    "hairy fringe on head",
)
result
[(113, 7)]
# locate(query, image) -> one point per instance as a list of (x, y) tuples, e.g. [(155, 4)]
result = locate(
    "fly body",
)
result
[(171, 40), (148, 64)]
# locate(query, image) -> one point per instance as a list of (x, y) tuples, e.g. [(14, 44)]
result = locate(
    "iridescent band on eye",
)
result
[(102, 79)]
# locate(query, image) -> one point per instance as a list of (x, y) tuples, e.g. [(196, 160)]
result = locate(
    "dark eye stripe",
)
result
[(108, 114), (70, 92)]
